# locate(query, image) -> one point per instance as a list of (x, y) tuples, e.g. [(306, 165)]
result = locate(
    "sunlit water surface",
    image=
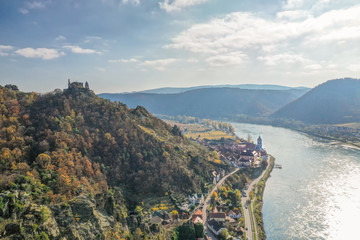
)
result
[(316, 194)]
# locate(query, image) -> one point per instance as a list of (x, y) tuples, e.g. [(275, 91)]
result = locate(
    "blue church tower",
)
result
[(259, 144)]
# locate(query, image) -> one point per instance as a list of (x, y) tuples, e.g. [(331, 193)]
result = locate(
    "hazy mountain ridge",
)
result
[(173, 90), (335, 101), (211, 102)]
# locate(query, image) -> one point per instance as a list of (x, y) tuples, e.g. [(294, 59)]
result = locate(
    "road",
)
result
[(247, 213), (207, 202)]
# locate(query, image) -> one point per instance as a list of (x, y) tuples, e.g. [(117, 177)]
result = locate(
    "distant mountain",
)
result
[(171, 90), (336, 101), (211, 102)]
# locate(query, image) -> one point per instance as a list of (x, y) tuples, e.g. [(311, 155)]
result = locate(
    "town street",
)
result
[(247, 216), (207, 202)]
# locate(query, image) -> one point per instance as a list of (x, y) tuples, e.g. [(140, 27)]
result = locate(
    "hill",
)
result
[(74, 165), (335, 101), (211, 102), (172, 90)]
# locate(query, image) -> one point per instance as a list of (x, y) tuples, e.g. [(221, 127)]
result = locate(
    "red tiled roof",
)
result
[(198, 212), (217, 215)]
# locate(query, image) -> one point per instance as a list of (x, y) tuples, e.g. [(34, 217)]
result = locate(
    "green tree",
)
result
[(223, 235), (138, 210), (199, 230), (184, 232)]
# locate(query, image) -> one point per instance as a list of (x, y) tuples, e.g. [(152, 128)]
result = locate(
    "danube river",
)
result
[(316, 194)]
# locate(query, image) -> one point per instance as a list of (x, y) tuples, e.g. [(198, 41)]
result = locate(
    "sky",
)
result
[(133, 45)]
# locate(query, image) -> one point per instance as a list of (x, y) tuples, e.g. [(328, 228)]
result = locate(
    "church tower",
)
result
[(259, 144), (69, 83), (87, 85)]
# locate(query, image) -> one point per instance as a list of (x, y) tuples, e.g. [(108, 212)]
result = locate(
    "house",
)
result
[(198, 213), (219, 216), (196, 198), (219, 209), (196, 220), (249, 155), (215, 226), (235, 214), (244, 162), (229, 219)]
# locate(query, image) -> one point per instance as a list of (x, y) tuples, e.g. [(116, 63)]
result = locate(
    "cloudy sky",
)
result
[(131, 45)]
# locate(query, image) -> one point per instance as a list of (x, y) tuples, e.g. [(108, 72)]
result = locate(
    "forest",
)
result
[(68, 143)]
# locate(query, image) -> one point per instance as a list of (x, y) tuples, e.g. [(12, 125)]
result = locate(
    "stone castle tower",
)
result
[(78, 85)]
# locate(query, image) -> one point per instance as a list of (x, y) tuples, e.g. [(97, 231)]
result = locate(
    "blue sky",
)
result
[(131, 45)]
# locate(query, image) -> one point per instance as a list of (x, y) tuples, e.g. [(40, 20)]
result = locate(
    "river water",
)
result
[(316, 194)]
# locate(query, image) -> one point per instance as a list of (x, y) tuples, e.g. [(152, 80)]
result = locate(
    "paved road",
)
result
[(207, 202), (247, 217)]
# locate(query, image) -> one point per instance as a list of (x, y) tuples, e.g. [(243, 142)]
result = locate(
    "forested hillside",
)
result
[(212, 103), (335, 101), (65, 144)]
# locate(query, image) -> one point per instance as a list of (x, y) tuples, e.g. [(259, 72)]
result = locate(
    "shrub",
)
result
[(44, 214)]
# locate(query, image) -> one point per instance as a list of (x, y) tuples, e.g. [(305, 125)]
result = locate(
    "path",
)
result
[(207, 201), (247, 213)]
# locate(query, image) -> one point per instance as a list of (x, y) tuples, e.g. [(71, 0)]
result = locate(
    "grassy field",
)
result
[(159, 203), (195, 130), (349, 125), (211, 135)]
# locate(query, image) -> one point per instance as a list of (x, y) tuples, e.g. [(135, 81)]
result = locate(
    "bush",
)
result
[(44, 214), (42, 236)]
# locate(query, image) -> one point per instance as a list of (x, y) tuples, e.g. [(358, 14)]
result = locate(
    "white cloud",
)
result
[(293, 4), (284, 58), (24, 11), (178, 5), (100, 69), (77, 49), (249, 34), (313, 67), (60, 38), (293, 15), (134, 2), (44, 53), (130, 60), (4, 50), (36, 4), (192, 60), (233, 58), (354, 68), (159, 64)]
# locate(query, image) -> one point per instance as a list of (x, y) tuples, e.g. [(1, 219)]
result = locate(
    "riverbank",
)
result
[(253, 192), (301, 128), (258, 201), (340, 141)]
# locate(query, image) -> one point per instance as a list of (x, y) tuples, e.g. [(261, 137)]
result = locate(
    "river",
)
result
[(316, 194)]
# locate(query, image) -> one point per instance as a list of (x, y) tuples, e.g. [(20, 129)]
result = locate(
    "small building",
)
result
[(196, 198), (215, 226), (196, 220), (249, 155), (235, 214), (198, 213), (244, 162), (219, 216), (219, 209)]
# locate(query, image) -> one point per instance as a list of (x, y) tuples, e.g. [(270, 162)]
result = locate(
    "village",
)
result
[(219, 212)]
